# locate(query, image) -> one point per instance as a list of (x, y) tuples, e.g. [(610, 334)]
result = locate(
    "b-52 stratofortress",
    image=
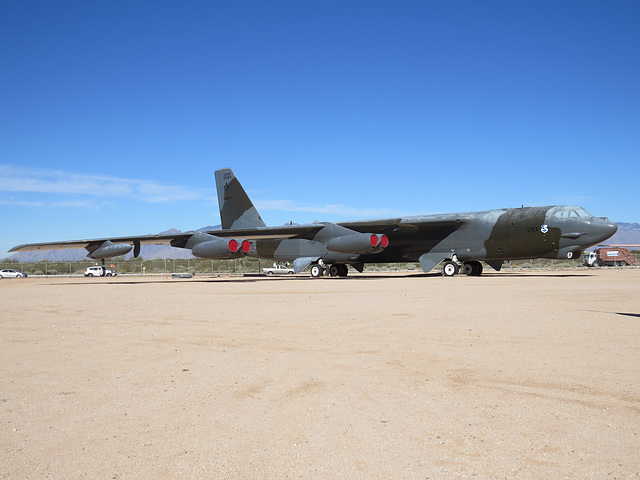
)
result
[(460, 240)]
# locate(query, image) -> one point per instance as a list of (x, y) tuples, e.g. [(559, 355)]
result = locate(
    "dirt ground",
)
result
[(523, 375)]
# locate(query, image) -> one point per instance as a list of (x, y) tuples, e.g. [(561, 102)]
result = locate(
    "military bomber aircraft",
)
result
[(460, 240)]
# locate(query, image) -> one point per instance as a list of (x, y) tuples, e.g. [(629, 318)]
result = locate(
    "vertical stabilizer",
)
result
[(236, 209)]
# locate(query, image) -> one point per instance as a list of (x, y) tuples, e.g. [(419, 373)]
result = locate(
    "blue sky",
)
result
[(114, 115)]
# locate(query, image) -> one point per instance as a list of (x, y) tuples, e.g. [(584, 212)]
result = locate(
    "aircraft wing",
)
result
[(260, 233), (432, 224), (64, 245), (179, 239)]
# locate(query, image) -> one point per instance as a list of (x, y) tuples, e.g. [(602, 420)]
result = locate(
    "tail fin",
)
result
[(236, 209)]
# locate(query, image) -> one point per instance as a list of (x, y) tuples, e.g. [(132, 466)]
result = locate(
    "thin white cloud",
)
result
[(71, 189), (15, 179)]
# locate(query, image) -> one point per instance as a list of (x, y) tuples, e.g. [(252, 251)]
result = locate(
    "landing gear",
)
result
[(338, 270), (473, 268), (450, 268), (316, 270), (335, 270)]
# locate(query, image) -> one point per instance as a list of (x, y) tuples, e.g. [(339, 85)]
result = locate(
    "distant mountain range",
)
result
[(627, 234)]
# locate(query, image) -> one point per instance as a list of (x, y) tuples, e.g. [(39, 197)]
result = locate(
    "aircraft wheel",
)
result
[(343, 271), (450, 269), (473, 268), (477, 269), (334, 270), (316, 271)]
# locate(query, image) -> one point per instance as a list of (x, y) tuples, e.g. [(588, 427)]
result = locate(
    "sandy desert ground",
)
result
[(524, 375)]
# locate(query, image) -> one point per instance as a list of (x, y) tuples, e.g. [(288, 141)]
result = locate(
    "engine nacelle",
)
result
[(109, 249), (358, 243), (221, 248)]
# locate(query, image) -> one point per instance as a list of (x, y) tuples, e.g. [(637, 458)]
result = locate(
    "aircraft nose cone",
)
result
[(602, 229)]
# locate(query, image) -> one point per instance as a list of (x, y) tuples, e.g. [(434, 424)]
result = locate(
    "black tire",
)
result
[(316, 271), (89, 274), (472, 268), (478, 269), (334, 270), (344, 270)]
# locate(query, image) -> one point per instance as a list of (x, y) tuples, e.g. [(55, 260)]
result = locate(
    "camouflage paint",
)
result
[(492, 236), (236, 209), (518, 233)]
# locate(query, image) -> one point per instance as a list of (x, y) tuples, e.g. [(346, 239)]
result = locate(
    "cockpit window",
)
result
[(583, 213), (570, 212)]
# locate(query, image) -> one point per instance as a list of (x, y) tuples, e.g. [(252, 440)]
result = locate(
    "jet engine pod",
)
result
[(358, 243), (221, 248), (109, 249)]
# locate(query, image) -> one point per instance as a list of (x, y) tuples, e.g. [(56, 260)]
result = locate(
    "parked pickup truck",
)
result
[(278, 270)]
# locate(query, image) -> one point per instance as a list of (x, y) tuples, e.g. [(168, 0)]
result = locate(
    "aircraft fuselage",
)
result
[(492, 236)]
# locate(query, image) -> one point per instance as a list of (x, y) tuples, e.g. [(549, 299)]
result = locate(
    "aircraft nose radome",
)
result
[(603, 229)]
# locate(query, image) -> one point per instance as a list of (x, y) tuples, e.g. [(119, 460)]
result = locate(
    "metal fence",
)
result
[(143, 267), (240, 265)]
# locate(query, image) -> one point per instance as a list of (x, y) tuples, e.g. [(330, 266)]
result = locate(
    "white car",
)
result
[(11, 273), (99, 272)]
